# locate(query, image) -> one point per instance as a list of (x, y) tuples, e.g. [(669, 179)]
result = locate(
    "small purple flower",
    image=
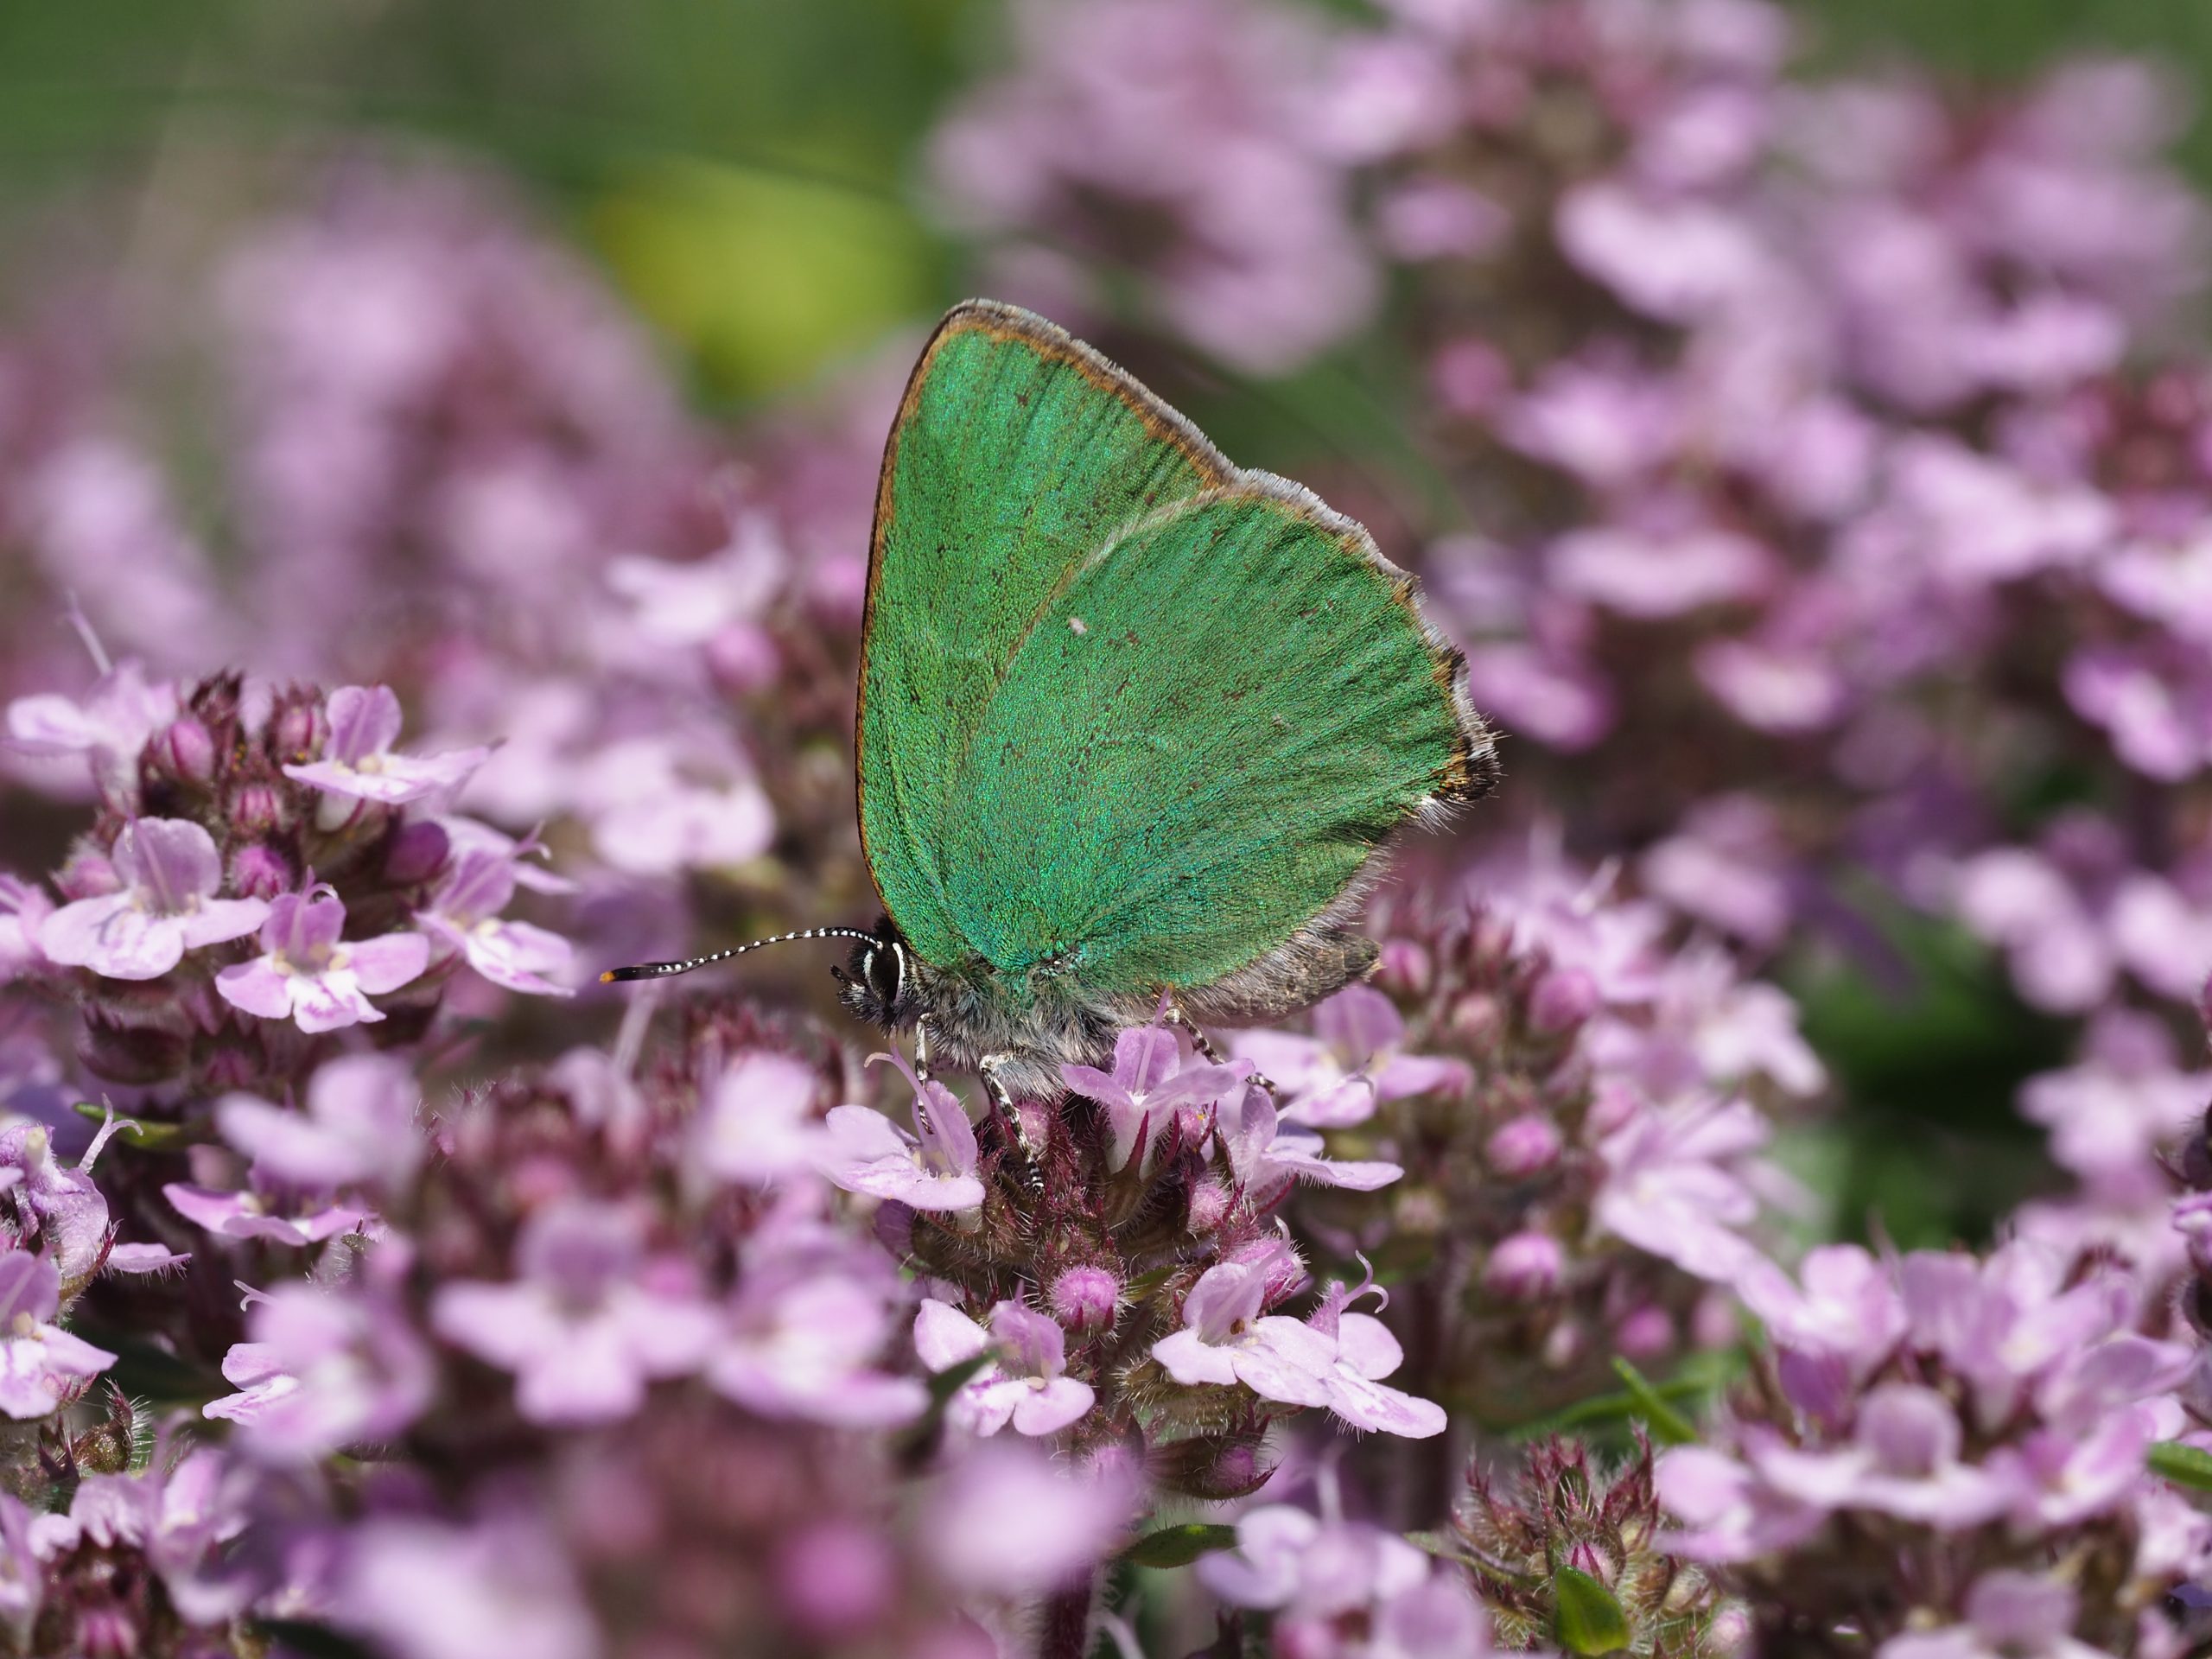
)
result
[(803, 1337), (758, 1126), (299, 1221), (1731, 1514), (1848, 1310), (63, 1209), (464, 915), (2009, 1615), (1320, 1576), (1338, 1077), (1151, 1082), (1267, 1154), (426, 1589), (1226, 1339), (169, 872), (1903, 1461), (324, 1370), (358, 760), (1365, 1353), (108, 728), (23, 910), (934, 1169), (1670, 1190), (358, 1128), (1008, 1520), (589, 1321), (41, 1366), (1025, 1384), (178, 1518), (308, 974)]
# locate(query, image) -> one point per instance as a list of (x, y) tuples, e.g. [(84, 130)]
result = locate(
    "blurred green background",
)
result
[(746, 169), (749, 172)]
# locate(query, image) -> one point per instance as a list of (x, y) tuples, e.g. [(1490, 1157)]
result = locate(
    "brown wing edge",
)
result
[(1329, 951), (1002, 321)]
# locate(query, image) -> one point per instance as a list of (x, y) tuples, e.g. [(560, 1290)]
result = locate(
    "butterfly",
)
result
[(1134, 723)]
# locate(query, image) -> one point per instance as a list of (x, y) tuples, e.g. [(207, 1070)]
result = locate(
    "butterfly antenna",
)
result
[(665, 969)]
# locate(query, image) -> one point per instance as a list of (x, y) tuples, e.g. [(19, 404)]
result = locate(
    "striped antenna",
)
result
[(665, 969)]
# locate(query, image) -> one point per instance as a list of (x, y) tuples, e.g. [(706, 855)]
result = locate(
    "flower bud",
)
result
[(1522, 1146), (1404, 969), (1585, 1557), (1525, 1267), (1477, 1020), (185, 749), (1644, 1331), (1563, 998), (416, 853), (1612, 1104), (257, 809), (1084, 1299), (836, 1578), (895, 1229), (258, 871), (1209, 1205), (87, 875), (298, 728), (1212, 1467)]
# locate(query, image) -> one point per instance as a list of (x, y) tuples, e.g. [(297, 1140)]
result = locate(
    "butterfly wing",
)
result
[(1017, 453), (1197, 750)]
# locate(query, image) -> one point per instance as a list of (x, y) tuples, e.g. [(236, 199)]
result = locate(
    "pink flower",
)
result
[(934, 1169), (1326, 1578), (1226, 1340), (308, 974), (665, 803), (2009, 1615), (1671, 1190), (1732, 1515), (589, 1321), (358, 1128), (358, 760), (1651, 575), (170, 873), (1338, 1077), (757, 1125), (1267, 1155), (23, 910), (42, 1367), (463, 914), (108, 728), (1025, 1384), (1903, 1461), (425, 1590), (1007, 1520), (1366, 1352), (1848, 1310), (803, 1338), (249, 1215), (1151, 1082), (324, 1370)]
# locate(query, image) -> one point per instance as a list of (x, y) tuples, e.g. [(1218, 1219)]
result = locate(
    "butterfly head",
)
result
[(877, 981)]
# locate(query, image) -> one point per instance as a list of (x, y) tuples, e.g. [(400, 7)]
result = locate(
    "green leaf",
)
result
[(315, 1641), (1666, 1425), (1179, 1546), (1586, 1618), (2184, 1465), (153, 1137)]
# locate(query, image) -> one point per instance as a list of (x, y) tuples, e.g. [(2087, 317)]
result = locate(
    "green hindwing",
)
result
[(1130, 717)]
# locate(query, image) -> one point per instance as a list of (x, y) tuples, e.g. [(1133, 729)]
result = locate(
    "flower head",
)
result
[(933, 1169)]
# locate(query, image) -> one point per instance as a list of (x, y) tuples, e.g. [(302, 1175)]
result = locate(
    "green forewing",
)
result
[(1014, 459), (1122, 705)]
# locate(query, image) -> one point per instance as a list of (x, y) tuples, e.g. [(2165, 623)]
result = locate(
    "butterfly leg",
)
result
[(987, 1069), (1199, 1041), (922, 1050)]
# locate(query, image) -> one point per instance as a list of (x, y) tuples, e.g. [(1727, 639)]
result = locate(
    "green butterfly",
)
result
[(1133, 722)]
